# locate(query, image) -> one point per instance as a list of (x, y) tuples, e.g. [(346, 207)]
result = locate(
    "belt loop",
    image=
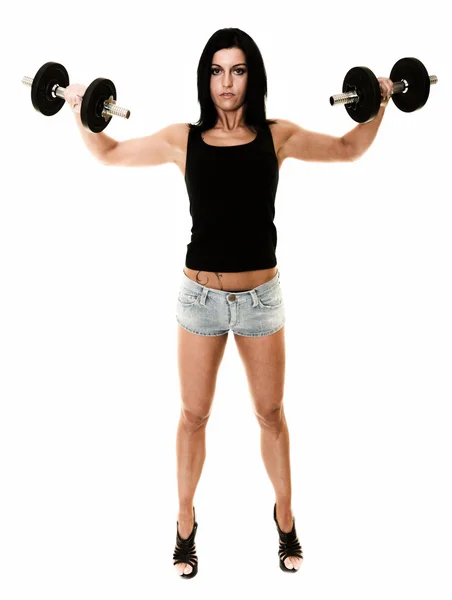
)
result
[(204, 293), (254, 297)]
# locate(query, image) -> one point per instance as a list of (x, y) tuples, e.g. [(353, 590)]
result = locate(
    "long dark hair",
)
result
[(256, 90)]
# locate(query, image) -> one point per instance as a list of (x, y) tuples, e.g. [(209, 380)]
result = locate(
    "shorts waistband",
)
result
[(197, 287)]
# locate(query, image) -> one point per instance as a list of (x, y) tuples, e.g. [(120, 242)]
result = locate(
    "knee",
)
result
[(271, 417), (193, 420)]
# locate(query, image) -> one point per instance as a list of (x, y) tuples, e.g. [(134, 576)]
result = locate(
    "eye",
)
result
[(243, 71)]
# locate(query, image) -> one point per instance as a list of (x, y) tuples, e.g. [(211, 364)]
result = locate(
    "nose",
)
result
[(227, 81)]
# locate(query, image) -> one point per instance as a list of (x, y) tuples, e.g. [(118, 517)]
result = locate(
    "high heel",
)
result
[(288, 545), (185, 551)]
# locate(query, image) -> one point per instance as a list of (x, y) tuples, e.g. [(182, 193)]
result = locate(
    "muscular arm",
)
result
[(308, 145), (361, 137)]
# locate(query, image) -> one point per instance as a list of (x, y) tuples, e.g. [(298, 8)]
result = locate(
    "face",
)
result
[(228, 73)]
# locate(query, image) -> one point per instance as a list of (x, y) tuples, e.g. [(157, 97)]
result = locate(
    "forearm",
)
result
[(361, 137), (98, 144)]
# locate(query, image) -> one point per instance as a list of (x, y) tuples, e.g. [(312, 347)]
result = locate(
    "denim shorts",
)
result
[(252, 313)]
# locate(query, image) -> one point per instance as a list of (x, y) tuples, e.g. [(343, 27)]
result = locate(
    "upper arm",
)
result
[(312, 146), (152, 150)]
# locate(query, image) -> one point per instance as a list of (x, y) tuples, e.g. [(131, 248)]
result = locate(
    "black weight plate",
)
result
[(364, 82), (49, 75), (95, 95), (416, 75)]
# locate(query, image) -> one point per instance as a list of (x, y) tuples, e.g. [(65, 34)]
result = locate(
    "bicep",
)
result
[(313, 146), (148, 151)]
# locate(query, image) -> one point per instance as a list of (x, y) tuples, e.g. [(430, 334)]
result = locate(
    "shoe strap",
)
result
[(288, 541), (185, 551), (289, 545)]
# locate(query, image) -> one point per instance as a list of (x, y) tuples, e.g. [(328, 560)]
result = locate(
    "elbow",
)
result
[(103, 159), (349, 152), (353, 155), (106, 157)]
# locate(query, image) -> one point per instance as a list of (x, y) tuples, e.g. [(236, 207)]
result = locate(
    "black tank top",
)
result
[(232, 193)]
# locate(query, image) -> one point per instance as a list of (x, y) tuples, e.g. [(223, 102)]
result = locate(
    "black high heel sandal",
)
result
[(288, 545), (185, 551)]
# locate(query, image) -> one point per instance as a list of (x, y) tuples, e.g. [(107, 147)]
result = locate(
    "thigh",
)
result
[(199, 358), (264, 359)]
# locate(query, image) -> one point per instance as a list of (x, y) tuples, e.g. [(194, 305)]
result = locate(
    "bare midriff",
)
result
[(231, 282)]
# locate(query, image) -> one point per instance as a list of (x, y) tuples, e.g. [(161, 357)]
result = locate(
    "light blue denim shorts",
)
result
[(252, 313)]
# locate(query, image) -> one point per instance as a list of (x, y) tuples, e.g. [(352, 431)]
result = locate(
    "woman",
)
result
[(230, 160)]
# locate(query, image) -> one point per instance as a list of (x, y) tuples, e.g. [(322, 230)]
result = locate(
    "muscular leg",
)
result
[(264, 360), (199, 358)]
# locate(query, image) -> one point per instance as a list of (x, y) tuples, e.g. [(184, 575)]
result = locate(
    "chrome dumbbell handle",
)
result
[(110, 108), (351, 97)]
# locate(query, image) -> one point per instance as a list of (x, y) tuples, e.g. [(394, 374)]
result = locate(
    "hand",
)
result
[(387, 89), (73, 95)]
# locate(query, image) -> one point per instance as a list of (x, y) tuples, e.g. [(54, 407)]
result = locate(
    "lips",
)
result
[(227, 95)]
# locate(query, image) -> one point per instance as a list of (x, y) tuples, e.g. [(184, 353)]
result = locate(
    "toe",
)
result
[(293, 562), (183, 568)]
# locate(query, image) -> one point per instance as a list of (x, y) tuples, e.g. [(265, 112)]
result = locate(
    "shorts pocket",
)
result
[(188, 298), (272, 298)]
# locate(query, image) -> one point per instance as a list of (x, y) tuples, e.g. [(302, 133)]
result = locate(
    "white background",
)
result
[(91, 263)]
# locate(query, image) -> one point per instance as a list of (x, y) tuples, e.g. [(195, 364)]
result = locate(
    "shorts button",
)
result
[(231, 297)]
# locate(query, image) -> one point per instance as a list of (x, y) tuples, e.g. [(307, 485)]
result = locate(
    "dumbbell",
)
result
[(362, 96), (98, 104)]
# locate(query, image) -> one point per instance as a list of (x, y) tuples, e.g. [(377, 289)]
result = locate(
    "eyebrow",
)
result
[(216, 65)]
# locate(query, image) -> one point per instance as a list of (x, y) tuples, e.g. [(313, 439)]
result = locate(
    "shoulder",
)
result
[(178, 130), (283, 127), (281, 132), (177, 136)]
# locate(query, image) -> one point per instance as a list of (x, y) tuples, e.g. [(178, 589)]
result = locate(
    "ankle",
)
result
[(185, 515), (283, 509)]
